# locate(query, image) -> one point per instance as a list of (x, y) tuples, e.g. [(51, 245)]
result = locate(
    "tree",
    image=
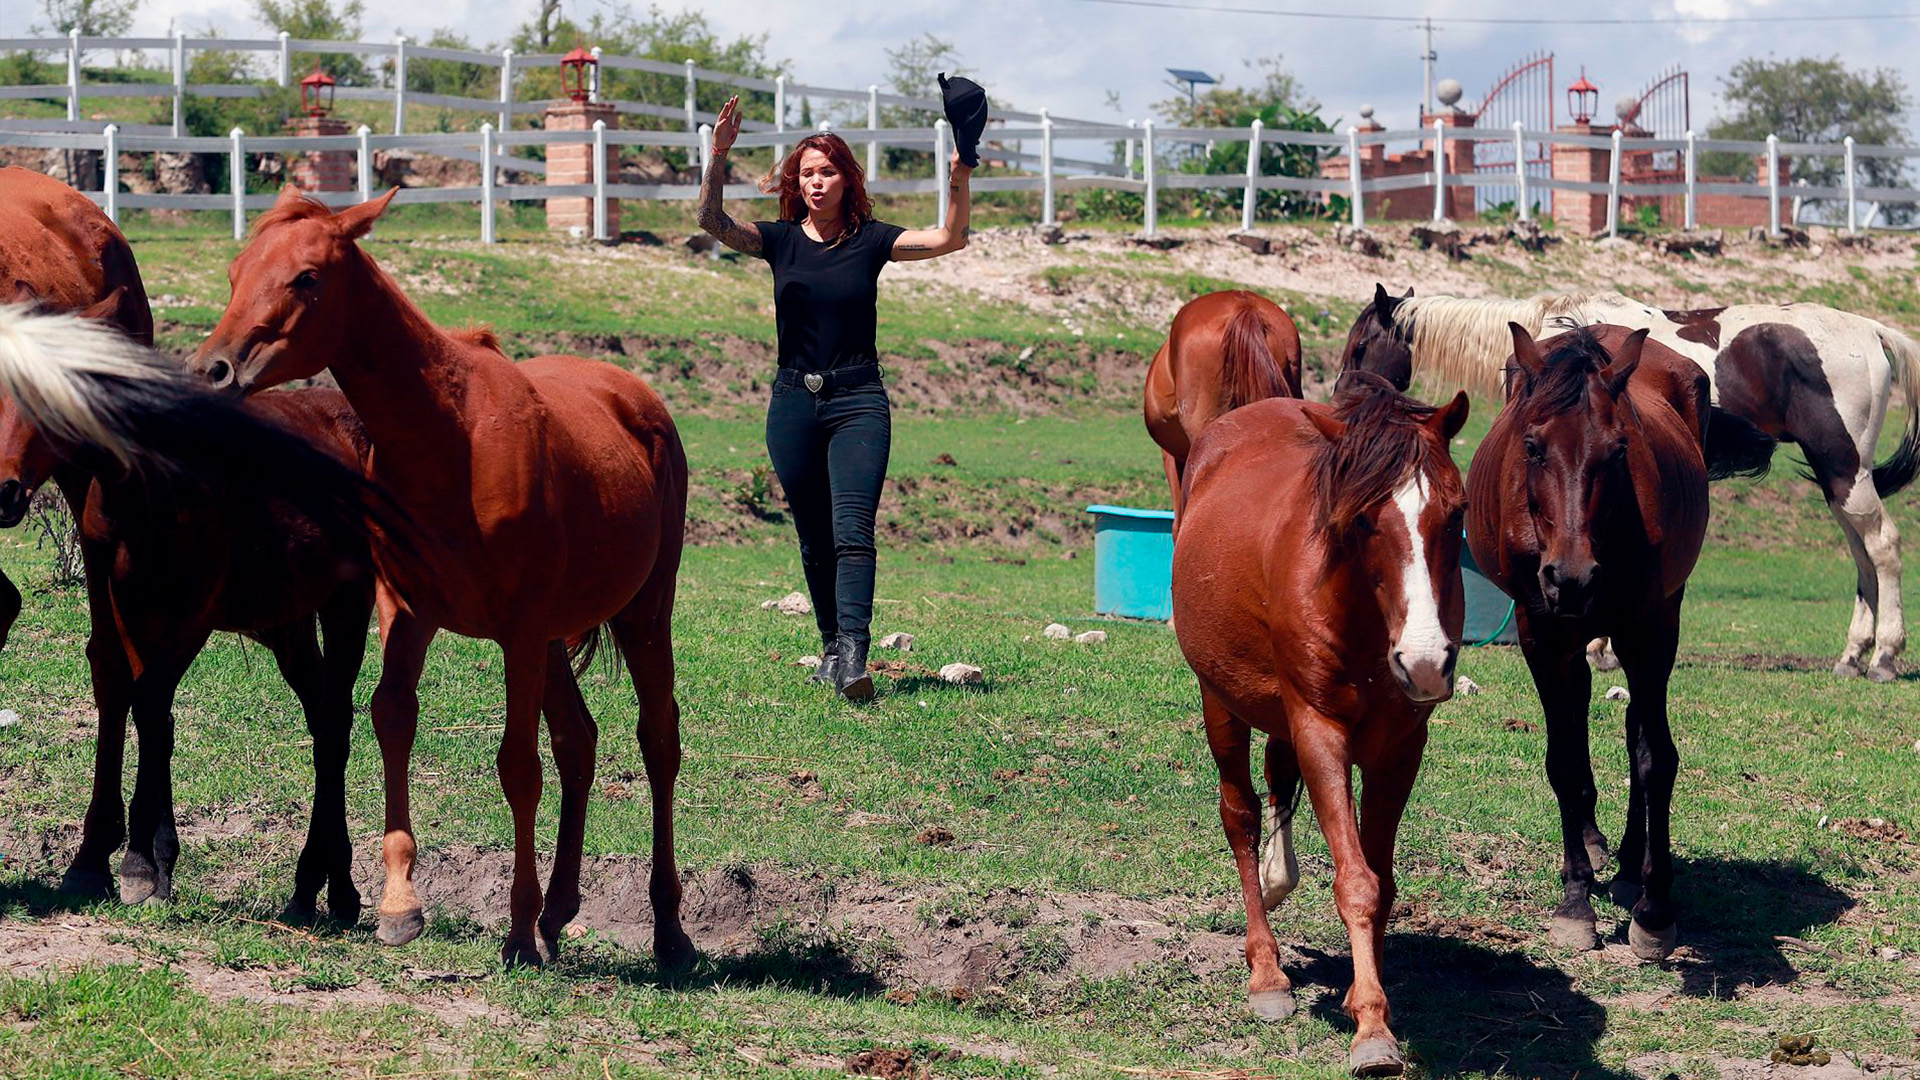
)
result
[(94, 18), (319, 20), (540, 32), (1816, 101)]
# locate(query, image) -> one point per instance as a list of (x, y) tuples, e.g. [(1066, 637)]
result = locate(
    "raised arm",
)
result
[(932, 243), (743, 237)]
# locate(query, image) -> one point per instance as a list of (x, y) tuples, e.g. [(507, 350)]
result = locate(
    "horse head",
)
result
[(1376, 345), (1390, 503), (1575, 424), (294, 295)]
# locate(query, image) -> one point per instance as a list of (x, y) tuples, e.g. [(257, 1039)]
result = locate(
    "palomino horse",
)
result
[(167, 564), (1802, 372), (1589, 506), (1226, 349), (552, 498), (1316, 588)]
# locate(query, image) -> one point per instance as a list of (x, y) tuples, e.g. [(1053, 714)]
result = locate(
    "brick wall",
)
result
[(572, 163), (321, 170)]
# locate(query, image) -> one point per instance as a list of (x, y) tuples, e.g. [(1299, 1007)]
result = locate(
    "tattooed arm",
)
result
[(743, 237), (931, 243)]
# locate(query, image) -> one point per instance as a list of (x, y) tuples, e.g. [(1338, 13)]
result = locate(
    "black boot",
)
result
[(853, 679), (829, 669)]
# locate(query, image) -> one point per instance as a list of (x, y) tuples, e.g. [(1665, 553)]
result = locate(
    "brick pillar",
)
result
[(572, 163), (321, 170), (1581, 213), (1460, 205)]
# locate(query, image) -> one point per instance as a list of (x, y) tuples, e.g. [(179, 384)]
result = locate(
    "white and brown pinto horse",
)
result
[(1317, 595), (1802, 373)]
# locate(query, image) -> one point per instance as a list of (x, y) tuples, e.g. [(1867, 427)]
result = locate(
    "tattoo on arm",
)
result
[(742, 238), (914, 247)]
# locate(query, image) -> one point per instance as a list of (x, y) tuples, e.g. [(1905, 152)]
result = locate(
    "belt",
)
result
[(820, 382)]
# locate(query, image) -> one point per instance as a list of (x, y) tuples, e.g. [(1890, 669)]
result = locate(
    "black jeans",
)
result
[(830, 451)]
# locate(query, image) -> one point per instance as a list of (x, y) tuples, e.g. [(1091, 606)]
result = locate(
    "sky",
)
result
[(1067, 55)]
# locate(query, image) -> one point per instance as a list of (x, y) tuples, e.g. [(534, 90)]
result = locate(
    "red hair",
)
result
[(785, 182)]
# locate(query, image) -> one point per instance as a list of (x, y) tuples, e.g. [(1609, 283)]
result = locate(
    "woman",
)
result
[(829, 426)]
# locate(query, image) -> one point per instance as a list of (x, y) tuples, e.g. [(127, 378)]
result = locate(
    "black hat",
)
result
[(967, 111)]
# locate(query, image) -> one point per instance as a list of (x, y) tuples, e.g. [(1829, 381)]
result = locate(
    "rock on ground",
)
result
[(897, 640), (794, 603), (1091, 637), (963, 675), (1057, 632)]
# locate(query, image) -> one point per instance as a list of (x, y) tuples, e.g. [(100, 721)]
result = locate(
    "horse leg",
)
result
[(396, 716), (1629, 879), (1326, 764), (146, 870), (575, 740), (1880, 538), (1269, 993), (1656, 762), (1555, 656), (1383, 800), (1853, 658), (1279, 869), (9, 607), (343, 626), (296, 650), (1174, 469), (518, 765), (644, 632), (105, 828)]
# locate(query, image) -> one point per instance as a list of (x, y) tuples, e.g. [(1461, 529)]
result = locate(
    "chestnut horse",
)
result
[(1317, 595), (1589, 506), (1226, 349), (552, 495)]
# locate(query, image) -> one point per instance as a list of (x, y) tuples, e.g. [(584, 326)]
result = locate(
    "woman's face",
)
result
[(822, 186)]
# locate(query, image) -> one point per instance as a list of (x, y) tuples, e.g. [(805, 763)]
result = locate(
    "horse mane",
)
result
[(1465, 343), (1563, 383), (306, 208), (1382, 446), (481, 335)]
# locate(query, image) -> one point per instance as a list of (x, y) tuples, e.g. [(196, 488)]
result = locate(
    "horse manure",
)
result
[(1822, 1058), (1779, 1056)]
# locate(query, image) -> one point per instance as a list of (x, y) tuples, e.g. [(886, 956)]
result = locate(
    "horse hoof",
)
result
[(344, 907), (138, 889), (1847, 669), (1625, 893), (1576, 934), (515, 953), (1272, 1006), (299, 912), (1884, 670), (1376, 1057), (94, 884), (1651, 945), (672, 949), (400, 929)]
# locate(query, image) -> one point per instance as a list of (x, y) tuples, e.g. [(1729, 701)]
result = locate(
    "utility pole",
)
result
[(1427, 57)]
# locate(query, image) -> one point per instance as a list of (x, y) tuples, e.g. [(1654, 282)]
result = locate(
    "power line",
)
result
[(1347, 16)]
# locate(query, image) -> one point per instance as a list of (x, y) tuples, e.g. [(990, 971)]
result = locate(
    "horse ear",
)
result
[(1525, 352), (1451, 417), (356, 221), (1331, 427), (290, 196), (105, 308), (1383, 304), (1408, 295), (1625, 359)]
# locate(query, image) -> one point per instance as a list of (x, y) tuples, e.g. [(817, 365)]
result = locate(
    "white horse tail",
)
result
[(77, 378), (1899, 470)]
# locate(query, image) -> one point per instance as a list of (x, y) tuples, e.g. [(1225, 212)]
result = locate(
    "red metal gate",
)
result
[(1525, 93)]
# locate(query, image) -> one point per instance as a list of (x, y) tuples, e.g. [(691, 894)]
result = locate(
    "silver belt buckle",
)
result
[(814, 381)]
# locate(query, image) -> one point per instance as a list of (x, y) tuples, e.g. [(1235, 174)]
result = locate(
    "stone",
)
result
[(1529, 235), (898, 640), (180, 174), (1618, 693), (1613, 243), (1091, 637), (962, 675), (1442, 236), (700, 243), (1069, 555), (1056, 632), (8, 718), (576, 931), (1889, 953), (794, 603), (1691, 242), (1259, 245), (1465, 687), (1050, 234), (1159, 241), (1358, 240)]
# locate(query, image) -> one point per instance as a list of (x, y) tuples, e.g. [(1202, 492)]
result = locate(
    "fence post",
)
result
[(1773, 185), (1613, 187), (1253, 175), (506, 89), (400, 86), (1439, 171), (1354, 179), (110, 173), (237, 179), (73, 73), (940, 171), (1046, 168), (1693, 182), (873, 124), (486, 183), (593, 78), (779, 115), (179, 84), (366, 163), (286, 60), (1150, 210), (1129, 144), (1522, 203), (600, 180), (1852, 212)]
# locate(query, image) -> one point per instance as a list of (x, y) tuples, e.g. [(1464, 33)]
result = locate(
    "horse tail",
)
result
[(583, 648), (1735, 446), (91, 388), (1247, 364), (1899, 470)]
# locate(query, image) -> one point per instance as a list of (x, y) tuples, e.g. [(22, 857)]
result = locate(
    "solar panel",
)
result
[(1191, 76)]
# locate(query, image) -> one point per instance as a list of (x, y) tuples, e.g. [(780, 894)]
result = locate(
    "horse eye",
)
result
[(1536, 453), (307, 280)]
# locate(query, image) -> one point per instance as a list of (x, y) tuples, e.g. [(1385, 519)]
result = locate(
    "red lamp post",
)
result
[(577, 74), (1582, 99), (316, 92)]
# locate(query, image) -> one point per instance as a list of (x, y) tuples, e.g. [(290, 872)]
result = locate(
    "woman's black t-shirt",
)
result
[(824, 296)]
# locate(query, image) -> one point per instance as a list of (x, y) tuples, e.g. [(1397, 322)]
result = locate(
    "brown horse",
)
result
[(1226, 349), (1589, 506), (552, 499), (1317, 592)]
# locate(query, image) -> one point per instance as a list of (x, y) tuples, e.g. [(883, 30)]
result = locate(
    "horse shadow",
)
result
[(1464, 1008), (1739, 918), (808, 963)]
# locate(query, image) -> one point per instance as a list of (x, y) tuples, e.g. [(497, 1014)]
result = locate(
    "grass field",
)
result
[(1022, 879)]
